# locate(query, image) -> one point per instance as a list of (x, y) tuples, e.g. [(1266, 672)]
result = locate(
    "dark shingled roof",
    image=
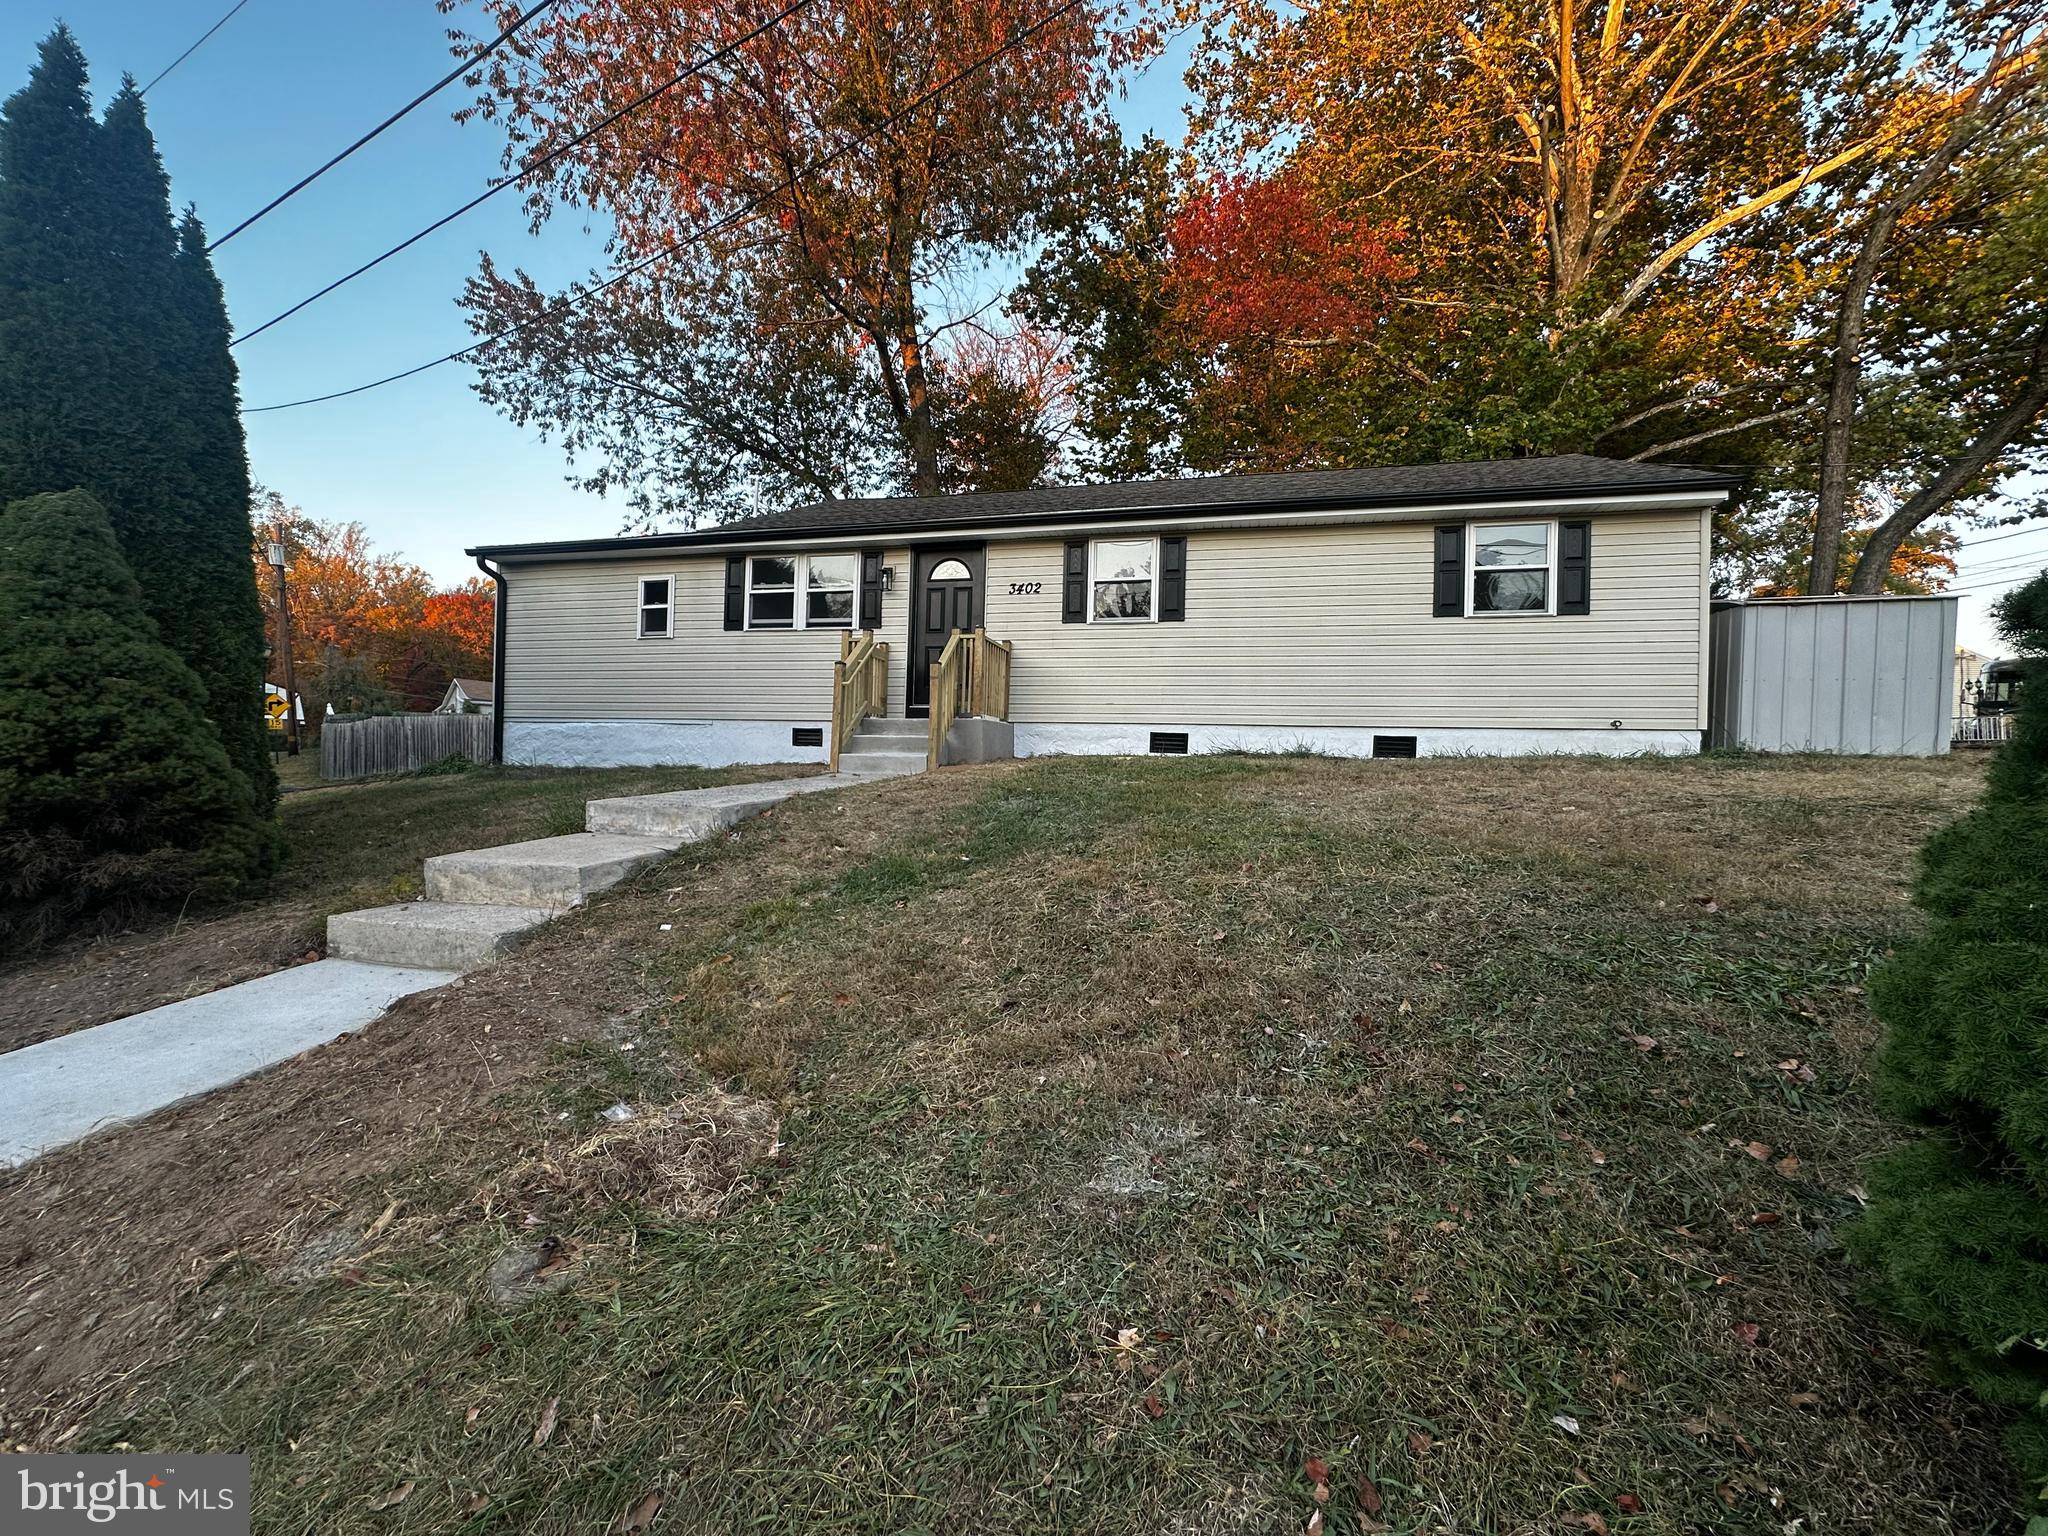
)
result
[(1574, 475)]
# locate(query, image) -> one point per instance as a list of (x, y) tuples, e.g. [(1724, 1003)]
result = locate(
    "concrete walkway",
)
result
[(59, 1090), (479, 905)]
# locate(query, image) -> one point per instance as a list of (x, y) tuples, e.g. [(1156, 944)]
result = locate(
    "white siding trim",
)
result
[(1350, 741), (656, 743)]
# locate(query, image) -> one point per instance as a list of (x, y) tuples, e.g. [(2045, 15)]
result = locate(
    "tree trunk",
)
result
[(1838, 433), (920, 433), (1940, 493)]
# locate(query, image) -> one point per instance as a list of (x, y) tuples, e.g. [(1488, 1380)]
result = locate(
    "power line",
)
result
[(530, 167), (433, 90), (696, 236), (181, 58), (2036, 528)]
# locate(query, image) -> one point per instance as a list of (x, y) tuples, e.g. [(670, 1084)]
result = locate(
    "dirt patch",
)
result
[(682, 1159)]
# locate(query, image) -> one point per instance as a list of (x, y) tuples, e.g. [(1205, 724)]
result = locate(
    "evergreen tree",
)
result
[(54, 404), (115, 377), (1957, 1227), (218, 461), (114, 794)]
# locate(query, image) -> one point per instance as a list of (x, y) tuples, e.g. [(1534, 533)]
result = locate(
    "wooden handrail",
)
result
[(971, 677), (950, 678), (860, 686)]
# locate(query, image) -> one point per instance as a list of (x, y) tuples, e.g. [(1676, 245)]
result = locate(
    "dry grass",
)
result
[(1145, 1128)]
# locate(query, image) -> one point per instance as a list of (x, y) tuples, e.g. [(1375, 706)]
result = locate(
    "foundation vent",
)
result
[(1393, 746), (807, 736), (1175, 742)]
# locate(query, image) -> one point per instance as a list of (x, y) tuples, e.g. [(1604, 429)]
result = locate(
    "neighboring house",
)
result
[(1969, 668), (466, 696), (1528, 605)]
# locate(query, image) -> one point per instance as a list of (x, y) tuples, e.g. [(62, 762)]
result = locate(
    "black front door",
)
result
[(945, 596)]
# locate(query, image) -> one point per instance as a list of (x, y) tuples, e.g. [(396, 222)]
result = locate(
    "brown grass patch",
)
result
[(683, 1159)]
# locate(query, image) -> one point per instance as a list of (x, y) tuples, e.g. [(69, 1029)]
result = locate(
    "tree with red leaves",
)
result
[(819, 213)]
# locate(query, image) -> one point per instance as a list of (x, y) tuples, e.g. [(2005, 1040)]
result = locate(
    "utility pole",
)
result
[(284, 646)]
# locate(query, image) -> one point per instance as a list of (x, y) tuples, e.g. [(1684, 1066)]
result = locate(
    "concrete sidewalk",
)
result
[(479, 904), (59, 1090)]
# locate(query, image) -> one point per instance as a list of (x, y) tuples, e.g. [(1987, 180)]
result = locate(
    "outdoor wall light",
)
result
[(888, 578)]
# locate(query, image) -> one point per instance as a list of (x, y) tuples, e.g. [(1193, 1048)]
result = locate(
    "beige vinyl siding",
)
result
[(572, 650), (1332, 626)]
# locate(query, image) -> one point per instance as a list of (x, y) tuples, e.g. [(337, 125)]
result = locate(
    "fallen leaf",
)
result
[(1746, 1334), (1787, 1166), (1765, 1219), (1565, 1422), (1316, 1470), (1418, 1442), (1629, 1504), (1151, 1404), (478, 1503), (1644, 1042), (1315, 1524), (1803, 1400), (636, 1520), (1597, 1524), (469, 1419), (396, 1496), (1759, 1150), (1369, 1499), (546, 1428)]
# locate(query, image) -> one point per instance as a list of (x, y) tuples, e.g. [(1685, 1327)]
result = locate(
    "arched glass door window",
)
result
[(950, 570)]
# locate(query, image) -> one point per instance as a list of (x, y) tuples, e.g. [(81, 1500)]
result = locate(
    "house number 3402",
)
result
[(1026, 588)]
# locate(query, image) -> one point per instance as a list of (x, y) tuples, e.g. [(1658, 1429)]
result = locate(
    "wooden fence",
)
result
[(401, 743)]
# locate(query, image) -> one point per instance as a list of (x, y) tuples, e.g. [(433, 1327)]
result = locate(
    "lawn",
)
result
[(1119, 1146), (349, 845)]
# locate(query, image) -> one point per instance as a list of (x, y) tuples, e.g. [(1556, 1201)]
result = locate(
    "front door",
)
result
[(945, 596)]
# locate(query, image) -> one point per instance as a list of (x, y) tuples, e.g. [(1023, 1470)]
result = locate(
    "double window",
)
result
[(802, 591), (657, 607), (1121, 580), (1511, 568)]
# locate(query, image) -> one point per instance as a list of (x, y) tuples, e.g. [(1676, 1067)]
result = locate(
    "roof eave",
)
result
[(1701, 489)]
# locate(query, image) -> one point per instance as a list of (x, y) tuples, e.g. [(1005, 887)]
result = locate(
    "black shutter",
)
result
[(1074, 590), (1574, 567), (1173, 580), (735, 591), (1450, 572), (871, 589)]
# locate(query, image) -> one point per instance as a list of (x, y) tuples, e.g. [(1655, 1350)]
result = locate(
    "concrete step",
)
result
[(881, 762), (550, 873), (872, 729), (430, 935), (688, 815)]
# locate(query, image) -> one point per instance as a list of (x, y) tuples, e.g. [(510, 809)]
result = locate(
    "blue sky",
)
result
[(424, 464)]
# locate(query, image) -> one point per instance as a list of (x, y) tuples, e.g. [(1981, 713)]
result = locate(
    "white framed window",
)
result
[(830, 582), (802, 591), (1122, 581), (657, 607), (1511, 568)]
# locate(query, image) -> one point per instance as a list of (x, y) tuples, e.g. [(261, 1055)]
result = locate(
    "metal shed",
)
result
[(1832, 674)]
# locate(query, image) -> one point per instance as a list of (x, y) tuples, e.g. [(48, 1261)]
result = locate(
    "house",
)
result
[(466, 696), (1527, 605)]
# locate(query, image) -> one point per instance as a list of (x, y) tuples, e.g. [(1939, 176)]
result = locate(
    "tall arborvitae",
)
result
[(55, 332), (211, 408), (114, 377), (114, 796), (1957, 1228)]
